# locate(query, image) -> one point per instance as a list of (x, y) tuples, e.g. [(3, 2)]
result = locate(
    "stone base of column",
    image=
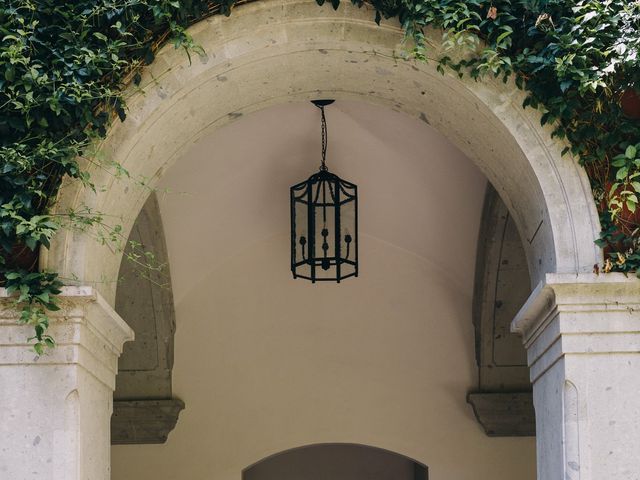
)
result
[(56, 408), (582, 335)]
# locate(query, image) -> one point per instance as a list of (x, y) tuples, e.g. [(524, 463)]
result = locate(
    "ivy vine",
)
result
[(64, 67)]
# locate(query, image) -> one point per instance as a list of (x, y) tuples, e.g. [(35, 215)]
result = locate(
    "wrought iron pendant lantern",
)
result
[(324, 222)]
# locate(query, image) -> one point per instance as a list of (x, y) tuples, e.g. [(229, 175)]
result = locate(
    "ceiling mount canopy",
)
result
[(322, 103), (324, 222)]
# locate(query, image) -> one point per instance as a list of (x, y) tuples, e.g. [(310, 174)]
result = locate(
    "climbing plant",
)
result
[(64, 66)]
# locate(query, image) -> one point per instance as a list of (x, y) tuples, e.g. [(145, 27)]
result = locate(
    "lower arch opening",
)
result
[(338, 461)]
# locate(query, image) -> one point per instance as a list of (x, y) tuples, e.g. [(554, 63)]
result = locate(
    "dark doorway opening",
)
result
[(336, 462)]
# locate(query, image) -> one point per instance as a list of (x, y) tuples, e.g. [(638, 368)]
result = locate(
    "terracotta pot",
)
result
[(630, 102)]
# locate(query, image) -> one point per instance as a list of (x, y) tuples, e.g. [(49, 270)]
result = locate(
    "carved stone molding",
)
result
[(144, 421), (504, 414), (502, 403), (144, 410)]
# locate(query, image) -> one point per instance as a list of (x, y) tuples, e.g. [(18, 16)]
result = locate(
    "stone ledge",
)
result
[(577, 293), (584, 314), (144, 421), (504, 414), (80, 305), (89, 334)]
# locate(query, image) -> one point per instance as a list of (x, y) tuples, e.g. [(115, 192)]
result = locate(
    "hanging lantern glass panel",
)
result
[(324, 240), (324, 224)]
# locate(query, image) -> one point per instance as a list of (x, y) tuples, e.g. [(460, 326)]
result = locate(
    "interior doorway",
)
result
[(337, 462)]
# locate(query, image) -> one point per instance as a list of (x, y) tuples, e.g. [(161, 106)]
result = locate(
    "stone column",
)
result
[(55, 409), (582, 335)]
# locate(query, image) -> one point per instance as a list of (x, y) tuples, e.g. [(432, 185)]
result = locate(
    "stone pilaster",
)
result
[(55, 409), (582, 335)]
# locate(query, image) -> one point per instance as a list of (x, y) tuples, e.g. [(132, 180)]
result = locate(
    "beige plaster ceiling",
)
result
[(417, 192)]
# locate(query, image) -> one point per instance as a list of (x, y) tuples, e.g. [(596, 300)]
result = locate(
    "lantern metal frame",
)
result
[(324, 194)]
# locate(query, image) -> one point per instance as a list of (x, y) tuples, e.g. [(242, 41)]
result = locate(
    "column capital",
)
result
[(584, 313), (87, 331), (585, 292)]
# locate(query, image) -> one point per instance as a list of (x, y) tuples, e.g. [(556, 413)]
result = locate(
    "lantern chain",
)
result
[(323, 166)]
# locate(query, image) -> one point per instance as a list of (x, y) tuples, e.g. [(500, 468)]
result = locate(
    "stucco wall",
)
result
[(266, 363)]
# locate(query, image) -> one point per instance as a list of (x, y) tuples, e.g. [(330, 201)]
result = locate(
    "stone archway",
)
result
[(289, 50), (278, 51)]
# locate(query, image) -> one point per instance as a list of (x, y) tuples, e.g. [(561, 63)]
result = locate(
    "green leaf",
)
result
[(619, 161), (502, 36), (631, 206), (565, 85), (630, 152), (613, 189), (31, 243), (43, 297), (622, 173)]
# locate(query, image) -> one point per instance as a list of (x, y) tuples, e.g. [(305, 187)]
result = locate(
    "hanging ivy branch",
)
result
[(64, 66)]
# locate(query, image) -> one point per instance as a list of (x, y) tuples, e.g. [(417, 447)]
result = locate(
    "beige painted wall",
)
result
[(265, 363)]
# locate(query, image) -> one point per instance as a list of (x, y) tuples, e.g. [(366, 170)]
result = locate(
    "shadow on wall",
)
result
[(337, 462)]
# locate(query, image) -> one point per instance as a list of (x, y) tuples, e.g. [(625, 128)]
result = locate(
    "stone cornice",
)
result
[(579, 314), (145, 421), (87, 331), (589, 293)]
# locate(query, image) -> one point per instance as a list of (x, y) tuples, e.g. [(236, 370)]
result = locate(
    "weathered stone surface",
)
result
[(145, 301), (504, 414), (144, 410), (144, 421), (54, 420), (503, 403), (502, 286), (582, 334)]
